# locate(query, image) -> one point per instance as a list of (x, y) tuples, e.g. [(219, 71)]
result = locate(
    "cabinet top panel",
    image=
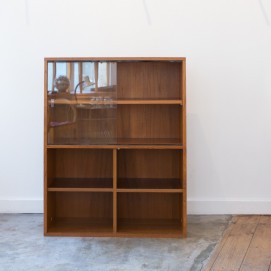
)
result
[(65, 59)]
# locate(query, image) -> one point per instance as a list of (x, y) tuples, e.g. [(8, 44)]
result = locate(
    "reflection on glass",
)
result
[(61, 68), (81, 107)]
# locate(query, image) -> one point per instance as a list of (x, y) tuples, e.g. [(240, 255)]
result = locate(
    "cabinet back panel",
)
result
[(149, 121), (149, 164), (149, 206), (149, 80), (83, 205), (83, 163)]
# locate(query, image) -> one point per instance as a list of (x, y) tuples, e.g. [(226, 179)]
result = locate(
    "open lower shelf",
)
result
[(82, 184), (89, 213), (72, 226), (149, 227), (156, 214), (104, 227), (149, 183)]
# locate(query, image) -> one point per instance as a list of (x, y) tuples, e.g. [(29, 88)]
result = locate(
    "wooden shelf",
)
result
[(150, 227), (149, 213), (84, 147), (115, 146), (150, 146), (149, 102), (83, 142), (77, 103), (80, 227), (149, 190), (149, 185), (81, 185), (116, 142), (148, 141)]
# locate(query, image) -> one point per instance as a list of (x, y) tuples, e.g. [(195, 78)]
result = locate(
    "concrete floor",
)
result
[(23, 247)]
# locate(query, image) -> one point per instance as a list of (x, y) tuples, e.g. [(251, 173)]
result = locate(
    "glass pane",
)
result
[(88, 70), (103, 78), (81, 103)]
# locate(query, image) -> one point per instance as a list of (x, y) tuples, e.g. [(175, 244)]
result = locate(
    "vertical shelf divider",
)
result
[(115, 191)]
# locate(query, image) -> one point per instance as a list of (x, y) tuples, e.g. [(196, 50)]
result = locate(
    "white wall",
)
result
[(228, 48)]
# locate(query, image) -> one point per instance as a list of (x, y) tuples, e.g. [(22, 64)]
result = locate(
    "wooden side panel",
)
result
[(150, 80), (47, 205), (183, 164)]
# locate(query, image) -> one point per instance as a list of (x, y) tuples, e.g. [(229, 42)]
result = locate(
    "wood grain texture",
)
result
[(258, 256), (83, 205), (235, 248), (81, 226), (149, 206), (149, 226), (83, 163), (113, 59), (152, 80), (152, 164), (183, 162), (47, 206), (81, 185), (149, 121), (219, 247), (245, 246)]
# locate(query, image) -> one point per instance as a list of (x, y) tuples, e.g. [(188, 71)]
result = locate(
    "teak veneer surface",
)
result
[(116, 165)]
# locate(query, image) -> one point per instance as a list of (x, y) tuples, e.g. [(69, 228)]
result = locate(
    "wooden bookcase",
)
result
[(115, 147)]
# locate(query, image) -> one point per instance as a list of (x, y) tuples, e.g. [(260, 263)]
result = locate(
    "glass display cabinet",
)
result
[(115, 147), (81, 108)]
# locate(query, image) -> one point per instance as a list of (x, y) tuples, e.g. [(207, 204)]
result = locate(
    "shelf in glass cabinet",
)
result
[(81, 102)]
